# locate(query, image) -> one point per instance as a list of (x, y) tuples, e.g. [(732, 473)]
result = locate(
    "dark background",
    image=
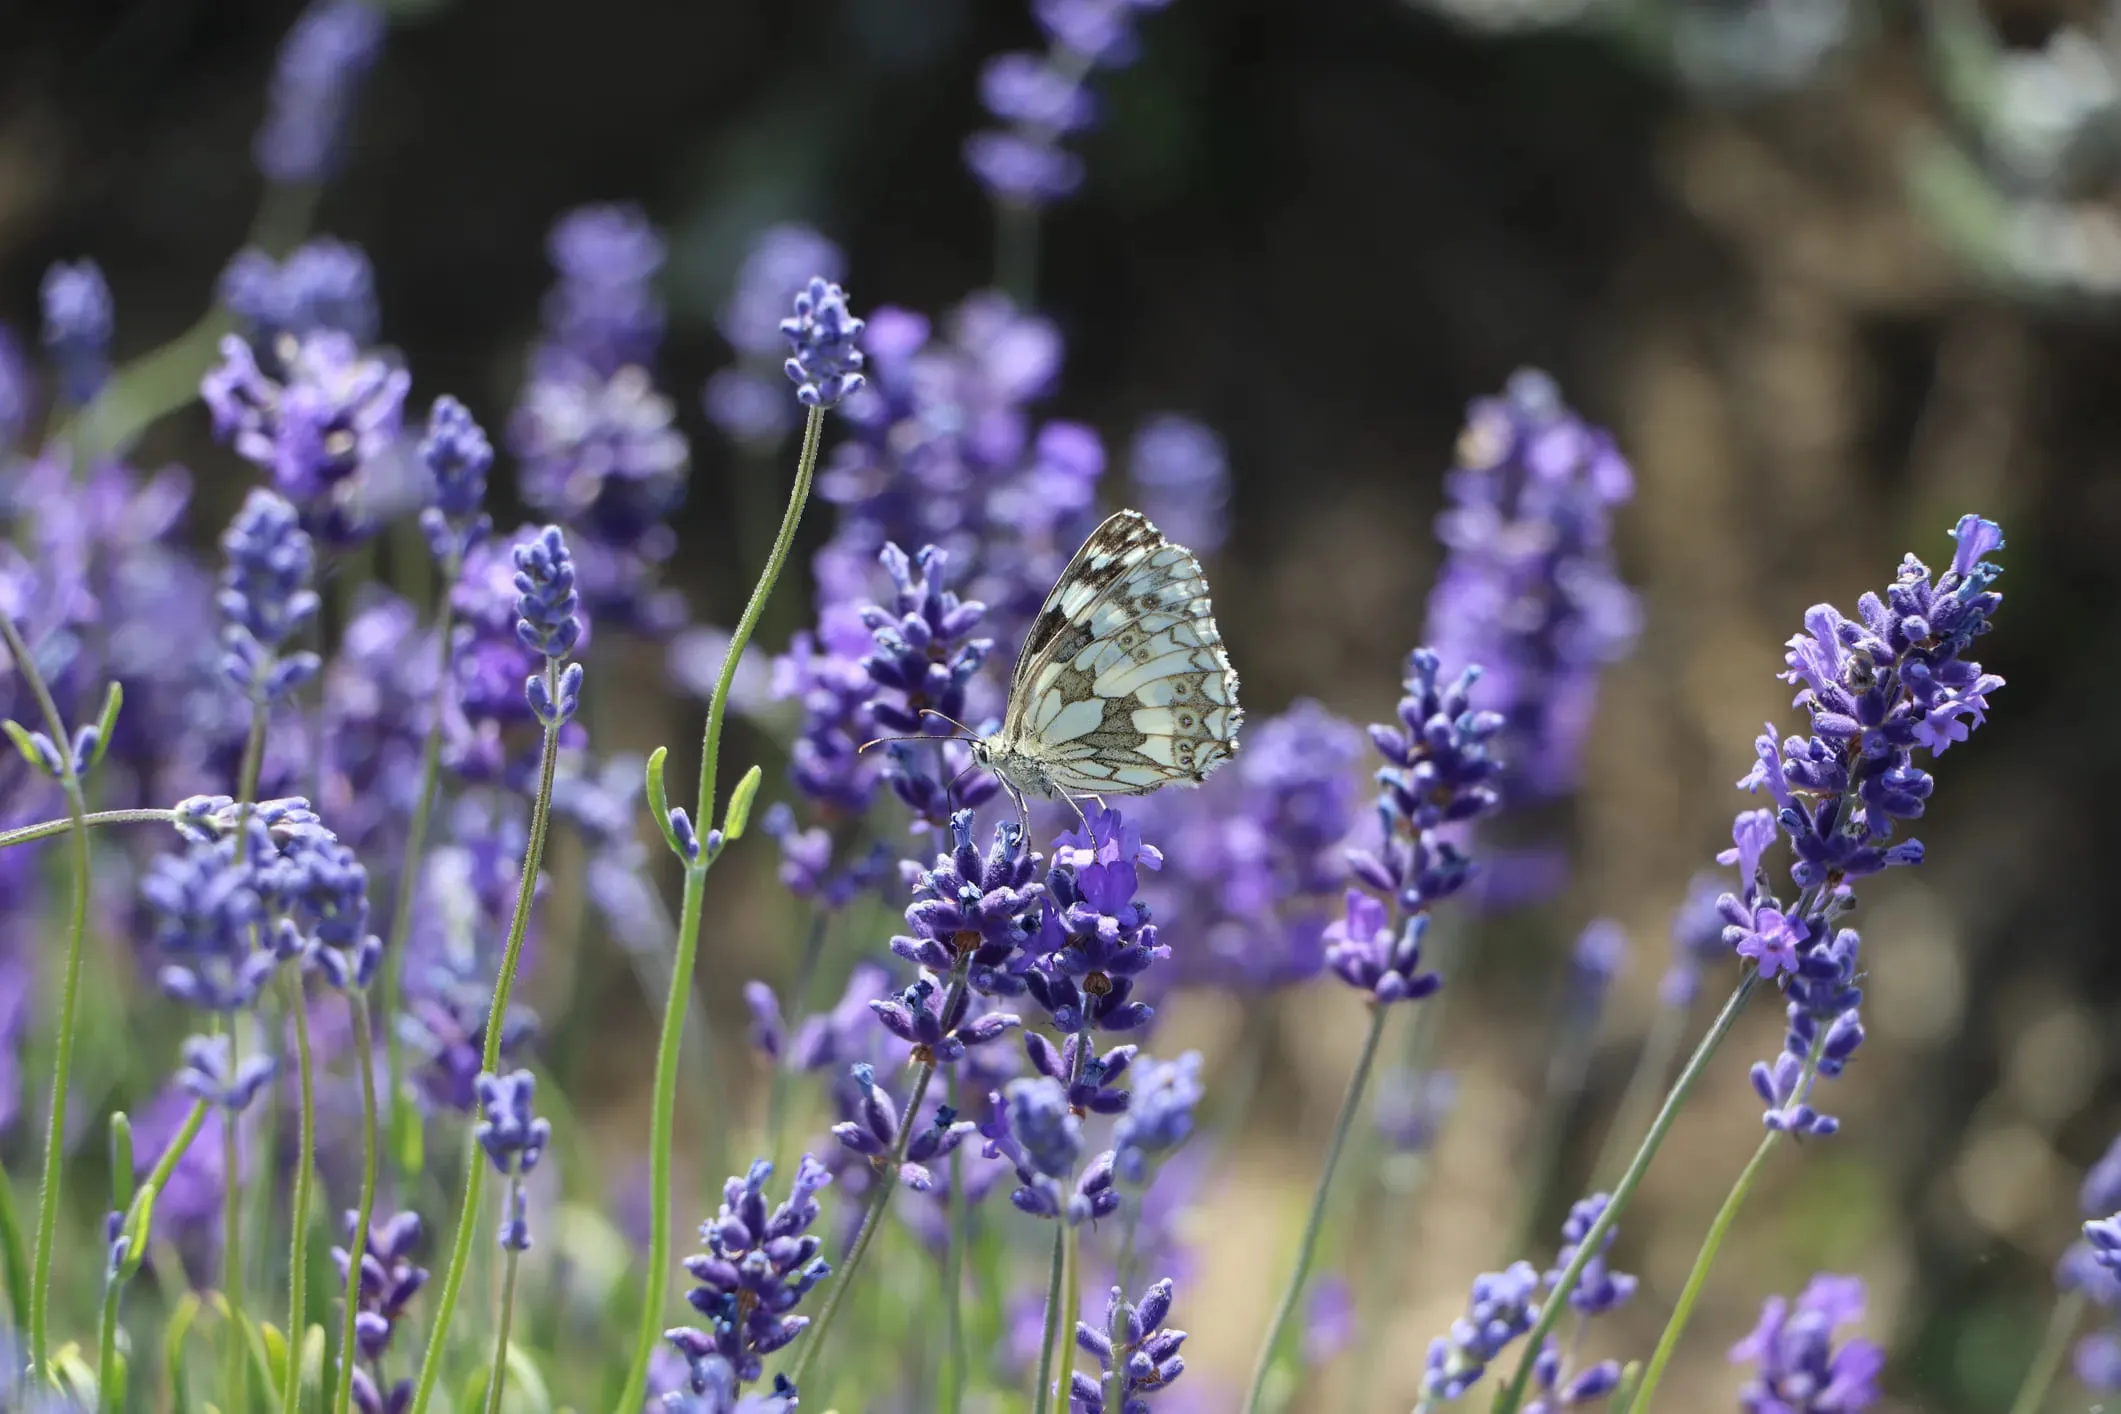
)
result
[(1321, 228)]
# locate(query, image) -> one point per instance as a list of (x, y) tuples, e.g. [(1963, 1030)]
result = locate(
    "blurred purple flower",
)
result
[(1181, 475), (78, 320), (321, 66), (324, 284), (1528, 588), (1799, 1369)]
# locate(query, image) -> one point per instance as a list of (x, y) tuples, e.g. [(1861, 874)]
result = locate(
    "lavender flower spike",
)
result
[(548, 621), (322, 63), (266, 600), (457, 454), (756, 1268), (77, 327), (1146, 1358), (824, 339)]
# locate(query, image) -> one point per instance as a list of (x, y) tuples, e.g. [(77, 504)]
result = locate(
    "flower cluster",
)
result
[(322, 64), (323, 284), (597, 444), (266, 601), (1800, 1364), (1135, 1346), (327, 413), (1528, 588), (873, 1133), (78, 319), (824, 343), (1096, 938), (389, 1281), (1043, 98), (514, 1139), (458, 456), (1035, 1128), (757, 1267)]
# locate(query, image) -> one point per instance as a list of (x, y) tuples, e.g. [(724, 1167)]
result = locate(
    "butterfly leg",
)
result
[(1080, 818)]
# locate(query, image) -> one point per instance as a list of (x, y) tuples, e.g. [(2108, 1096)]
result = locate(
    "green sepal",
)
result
[(106, 723), (738, 815), (121, 1162), (659, 799), (139, 1220), (19, 735)]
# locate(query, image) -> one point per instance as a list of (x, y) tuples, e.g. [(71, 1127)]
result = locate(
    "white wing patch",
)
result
[(1123, 685)]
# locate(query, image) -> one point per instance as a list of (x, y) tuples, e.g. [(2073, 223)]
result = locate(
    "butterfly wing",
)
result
[(1123, 685)]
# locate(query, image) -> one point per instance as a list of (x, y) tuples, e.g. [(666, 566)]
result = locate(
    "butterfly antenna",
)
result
[(879, 741), (941, 716)]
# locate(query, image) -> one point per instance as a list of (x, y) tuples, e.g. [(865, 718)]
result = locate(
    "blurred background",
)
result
[(1832, 273)]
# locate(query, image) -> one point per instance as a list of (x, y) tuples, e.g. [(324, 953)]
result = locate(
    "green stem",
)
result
[(69, 1000), (663, 1119), (1683, 1309), (158, 1179), (298, 1209), (499, 1377), (45, 829), (415, 847), (235, 1389), (1054, 1297), (1509, 1397), (1314, 1225), (887, 1184), (954, 1274), (2061, 1327), (1122, 1283), (357, 1240), (107, 1345), (490, 1058), (14, 1257)]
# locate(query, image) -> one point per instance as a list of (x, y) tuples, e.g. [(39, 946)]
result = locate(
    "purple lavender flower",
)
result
[(313, 428), (604, 309), (78, 318), (1876, 688), (1146, 1356), (514, 1139), (1096, 938), (1500, 1310), (322, 64), (1034, 1127), (1159, 1117), (1528, 588), (1412, 1107), (209, 1074), (389, 1280), (756, 1268), (1042, 98), (824, 341), (1598, 1289), (549, 623), (938, 1031), (324, 284), (1799, 1368), (205, 907), (458, 456), (872, 1133), (1366, 951), (972, 914), (491, 661), (1181, 476), (266, 601)]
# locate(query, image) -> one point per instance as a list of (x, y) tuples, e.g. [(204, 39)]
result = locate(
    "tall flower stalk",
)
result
[(549, 623), (1439, 773), (825, 364), (1876, 688)]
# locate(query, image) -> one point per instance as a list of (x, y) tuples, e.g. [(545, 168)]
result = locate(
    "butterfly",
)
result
[(1122, 685)]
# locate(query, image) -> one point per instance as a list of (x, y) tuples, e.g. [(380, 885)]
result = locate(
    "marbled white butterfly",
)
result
[(1122, 685)]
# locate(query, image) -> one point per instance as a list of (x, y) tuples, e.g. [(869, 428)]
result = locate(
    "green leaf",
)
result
[(113, 699), (275, 1346), (526, 1386), (174, 1337), (17, 734), (139, 1220), (14, 1258), (121, 1162), (659, 799), (71, 1372), (738, 814), (313, 1359)]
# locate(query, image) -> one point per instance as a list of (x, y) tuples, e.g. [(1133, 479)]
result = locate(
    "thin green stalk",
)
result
[(1659, 1049), (107, 1344), (1683, 1309), (69, 1001), (499, 1377), (1054, 1282), (179, 1144), (235, 1367), (663, 1120), (235, 1388), (14, 1258), (490, 1058), (954, 1275), (887, 1184), (415, 847), (357, 1240), (1510, 1396), (1550, 1127), (298, 1209), (2061, 1328), (45, 829), (1314, 1225)]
